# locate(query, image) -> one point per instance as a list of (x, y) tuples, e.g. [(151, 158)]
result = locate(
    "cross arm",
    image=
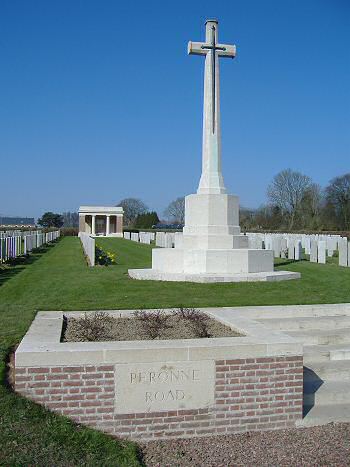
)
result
[(202, 48), (226, 50), (196, 48)]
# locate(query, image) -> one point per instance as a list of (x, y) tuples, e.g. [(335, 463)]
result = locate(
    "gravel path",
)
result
[(327, 445)]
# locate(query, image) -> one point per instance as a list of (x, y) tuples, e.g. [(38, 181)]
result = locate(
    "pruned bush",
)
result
[(91, 327), (196, 319), (153, 322)]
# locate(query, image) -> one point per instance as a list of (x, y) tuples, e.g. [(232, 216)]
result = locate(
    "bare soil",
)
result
[(127, 329), (327, 445)]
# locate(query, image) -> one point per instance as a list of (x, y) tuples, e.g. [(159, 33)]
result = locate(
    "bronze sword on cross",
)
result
[(215, 49)]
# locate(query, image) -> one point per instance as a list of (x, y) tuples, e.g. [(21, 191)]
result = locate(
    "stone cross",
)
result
[(211, 180)]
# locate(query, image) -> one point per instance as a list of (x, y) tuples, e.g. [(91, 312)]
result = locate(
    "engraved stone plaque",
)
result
[(161, 386)]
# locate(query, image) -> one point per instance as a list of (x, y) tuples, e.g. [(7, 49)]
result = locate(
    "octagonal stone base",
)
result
[(235, 265), (154, 275)]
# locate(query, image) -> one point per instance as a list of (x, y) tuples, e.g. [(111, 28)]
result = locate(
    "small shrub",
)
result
[(104, 258), (196, 319), (153, 322), (92, 327)]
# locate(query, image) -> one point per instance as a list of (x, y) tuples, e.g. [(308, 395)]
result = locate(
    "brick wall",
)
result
[(250, 394)]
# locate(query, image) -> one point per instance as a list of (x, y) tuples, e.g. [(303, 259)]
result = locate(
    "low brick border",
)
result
[(251, 394)]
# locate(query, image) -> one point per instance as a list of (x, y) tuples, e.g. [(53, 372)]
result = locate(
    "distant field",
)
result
[(58, 279)]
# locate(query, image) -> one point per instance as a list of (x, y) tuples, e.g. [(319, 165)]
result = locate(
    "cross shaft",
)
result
[(211, 179)]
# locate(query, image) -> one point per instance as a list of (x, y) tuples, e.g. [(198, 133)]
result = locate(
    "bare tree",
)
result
[(176, 210), (338, 197), (70, 219), (287, 191), (268, 217), (311, 207), (133, 207)]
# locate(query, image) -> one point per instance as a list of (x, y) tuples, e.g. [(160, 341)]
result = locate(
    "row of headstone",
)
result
[(16, 233), (145, 237), (317, 246), (165, 239), (142, 237), (18, 245), (284, 245), (10, 247)]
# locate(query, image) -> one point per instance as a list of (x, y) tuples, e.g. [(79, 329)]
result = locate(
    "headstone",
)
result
[(343, 251), (169, 240), (298, 250), (276, 246), (284, 248), (313, 251), (321, 252), (307, 245), (268, 242), (291, 253)]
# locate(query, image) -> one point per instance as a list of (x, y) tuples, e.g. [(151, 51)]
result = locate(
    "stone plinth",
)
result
[(166, 388), (211, 248)]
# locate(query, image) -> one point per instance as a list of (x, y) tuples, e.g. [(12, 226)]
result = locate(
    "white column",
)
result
[(93, 225), (107, 224)]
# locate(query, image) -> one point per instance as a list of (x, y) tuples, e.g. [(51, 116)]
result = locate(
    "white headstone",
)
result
[(321, 252), (276, 245), (313, 251), (291, 253), (298, 250), (307, 245), (284, 248), (343, 251)]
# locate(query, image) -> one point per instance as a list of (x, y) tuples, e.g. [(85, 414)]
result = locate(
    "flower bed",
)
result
[(183, 323)]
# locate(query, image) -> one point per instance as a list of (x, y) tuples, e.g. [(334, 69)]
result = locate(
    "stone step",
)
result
[(323, 414), (296, 324), (333, 370), (340, 354), (294, 311), (317, 393), (321, 353), (322, 336)]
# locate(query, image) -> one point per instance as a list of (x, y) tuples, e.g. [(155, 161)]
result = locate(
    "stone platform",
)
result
[(152, 274)]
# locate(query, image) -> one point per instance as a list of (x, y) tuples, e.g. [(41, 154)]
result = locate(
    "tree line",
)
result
[(296, 202)]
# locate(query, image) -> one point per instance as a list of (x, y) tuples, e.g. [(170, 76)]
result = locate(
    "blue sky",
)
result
[(100, 101)]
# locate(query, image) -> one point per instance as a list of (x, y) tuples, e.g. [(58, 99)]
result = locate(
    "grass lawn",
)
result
[(58, 279)]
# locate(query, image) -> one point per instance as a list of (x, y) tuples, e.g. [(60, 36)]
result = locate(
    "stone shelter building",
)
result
[(105, 221)]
